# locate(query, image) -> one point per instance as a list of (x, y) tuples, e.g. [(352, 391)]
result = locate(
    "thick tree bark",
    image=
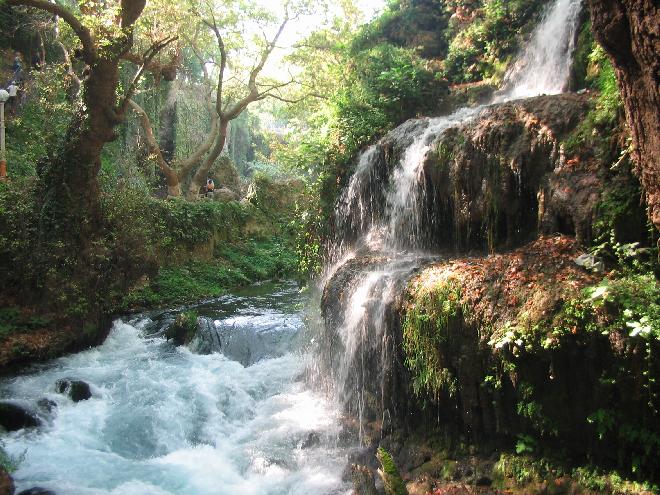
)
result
[(199, 179), (629, 31), (70, 243), (171, 176), (168, 122)]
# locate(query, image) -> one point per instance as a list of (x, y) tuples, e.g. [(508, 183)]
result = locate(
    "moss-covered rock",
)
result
[(225, 175), (183, 328), (527, 342), (392, 482)]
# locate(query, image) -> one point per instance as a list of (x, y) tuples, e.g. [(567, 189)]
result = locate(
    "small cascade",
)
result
[(545, 64), (387, 229), (405, 199)]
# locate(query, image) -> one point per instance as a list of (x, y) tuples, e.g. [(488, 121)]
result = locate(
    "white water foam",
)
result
[(163, 420)]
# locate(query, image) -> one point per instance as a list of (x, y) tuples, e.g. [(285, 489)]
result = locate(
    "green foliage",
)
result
[(632, 304), (625, 310), (188, 283), (394, 484), (36, 131), (583, 49), (189, 223), (478, 48), (595, 131), (526, 444), (524, 470), (419, 25), (609, 100), (234, 265), (386, 85), (18, 235), (534, 413), (183, 329), (143, 236), (9, 463), (13, 320), (425, 329)]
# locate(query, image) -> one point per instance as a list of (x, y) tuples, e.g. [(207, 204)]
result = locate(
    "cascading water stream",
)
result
[(164, 420), (380, 215)]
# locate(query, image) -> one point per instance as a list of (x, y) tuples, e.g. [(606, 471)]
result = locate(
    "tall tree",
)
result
[(237, 69), (71, 218), (629, 31)]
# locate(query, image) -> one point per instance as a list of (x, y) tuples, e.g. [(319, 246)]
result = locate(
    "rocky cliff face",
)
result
[(629, 30), (494, 182), (502, 178), (487, 347)]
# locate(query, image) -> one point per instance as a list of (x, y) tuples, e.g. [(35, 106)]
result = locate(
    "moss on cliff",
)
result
[(545, 349)]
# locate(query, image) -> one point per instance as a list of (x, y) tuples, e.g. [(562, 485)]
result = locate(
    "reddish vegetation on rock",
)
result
[(496, 288)]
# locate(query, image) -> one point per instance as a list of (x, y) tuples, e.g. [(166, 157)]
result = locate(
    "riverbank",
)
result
[(30, 336), (157, 253)]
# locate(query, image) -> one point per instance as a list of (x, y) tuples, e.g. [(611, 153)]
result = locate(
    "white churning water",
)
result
[(163, 420)]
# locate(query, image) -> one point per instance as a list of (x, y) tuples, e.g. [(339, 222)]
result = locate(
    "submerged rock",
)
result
[(37, 490), (76, 390), (47, 405), (247, 343), (312, 440), (14, 417), (183, 328)]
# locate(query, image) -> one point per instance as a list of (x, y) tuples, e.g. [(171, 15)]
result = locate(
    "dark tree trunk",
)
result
[(168, 122), (199, 179), (629, 31), (71, 216)]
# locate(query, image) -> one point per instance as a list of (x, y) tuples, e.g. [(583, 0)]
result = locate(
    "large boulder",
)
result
[(275, 195), (225, 175), (363, 480), (183, 329), (37, 490), (14, 416), (501, 178), (224, 195), (489, 181), (76, 390)]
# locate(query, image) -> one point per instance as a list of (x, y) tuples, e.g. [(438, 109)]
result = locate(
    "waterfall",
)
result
[(382, 219), (544, 66)]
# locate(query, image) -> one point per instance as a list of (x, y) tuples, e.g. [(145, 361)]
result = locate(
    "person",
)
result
[(18, 67), (210, 186)]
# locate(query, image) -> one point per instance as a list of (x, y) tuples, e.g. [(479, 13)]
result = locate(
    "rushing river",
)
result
[(165, 420)]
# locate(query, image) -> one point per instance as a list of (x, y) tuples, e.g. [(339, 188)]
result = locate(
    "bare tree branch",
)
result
[(253, 94), (173, 183), (185, 166), (147, 57)]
